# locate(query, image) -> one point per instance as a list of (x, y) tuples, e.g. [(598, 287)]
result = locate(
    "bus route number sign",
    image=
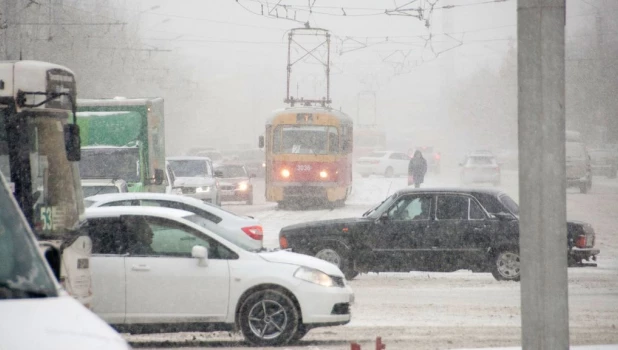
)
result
[(304, 118)]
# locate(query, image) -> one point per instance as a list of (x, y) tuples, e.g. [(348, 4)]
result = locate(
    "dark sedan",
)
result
[(430, 230)]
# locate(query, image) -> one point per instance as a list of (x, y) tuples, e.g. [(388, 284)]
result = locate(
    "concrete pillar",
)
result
[(542, 174)]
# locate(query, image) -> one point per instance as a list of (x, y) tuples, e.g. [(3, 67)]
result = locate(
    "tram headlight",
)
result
[(285, 173), (323, 174)]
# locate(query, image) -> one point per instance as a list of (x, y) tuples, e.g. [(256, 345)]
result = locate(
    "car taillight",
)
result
[(254, 232), (283, 242), (438, 156), (580, 242)]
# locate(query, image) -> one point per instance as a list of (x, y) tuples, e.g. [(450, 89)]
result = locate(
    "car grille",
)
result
[(228, 188), (187, 190), (341, 309)]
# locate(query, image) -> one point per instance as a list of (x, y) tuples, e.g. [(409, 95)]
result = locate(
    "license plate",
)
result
[(303, 167)]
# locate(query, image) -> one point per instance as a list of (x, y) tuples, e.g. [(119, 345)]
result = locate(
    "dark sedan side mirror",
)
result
[(383, 218)]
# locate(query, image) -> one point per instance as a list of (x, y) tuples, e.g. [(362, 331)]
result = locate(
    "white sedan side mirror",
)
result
[(200, 253)]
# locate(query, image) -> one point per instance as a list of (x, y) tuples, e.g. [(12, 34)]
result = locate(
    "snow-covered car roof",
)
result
[(187, 158), (168, 213), (112, 197)]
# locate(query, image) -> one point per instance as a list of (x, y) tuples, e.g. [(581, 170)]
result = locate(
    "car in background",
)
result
[(214, 155), (603, 162), (196, 178), (36, 312), (243, 231), (235, 183), (160, 270), (480, 167), (440, 230), (387, 163), (578, 163), (92, 187), (254, 161)]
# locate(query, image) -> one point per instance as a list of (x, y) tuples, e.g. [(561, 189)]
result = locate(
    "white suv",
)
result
[(158, 270)]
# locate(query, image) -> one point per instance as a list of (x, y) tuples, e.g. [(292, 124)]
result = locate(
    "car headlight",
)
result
[(242, 186), (314, 276), (203, 189)]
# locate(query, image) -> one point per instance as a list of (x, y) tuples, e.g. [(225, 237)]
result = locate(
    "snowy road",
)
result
[(442, 310)]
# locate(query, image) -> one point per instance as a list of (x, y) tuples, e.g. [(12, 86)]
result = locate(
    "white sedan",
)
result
[(243, 231), (385, 163), (158, 270)]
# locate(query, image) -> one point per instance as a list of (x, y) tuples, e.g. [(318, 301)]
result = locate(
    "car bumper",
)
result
[(576, 181), (481, 177), (366, 169), (579, 254), (602, 169), (325, 306), (234, 195)]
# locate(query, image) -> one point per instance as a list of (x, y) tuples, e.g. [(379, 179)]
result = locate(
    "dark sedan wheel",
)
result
[(336, 257), (269, 318), (506, 265)]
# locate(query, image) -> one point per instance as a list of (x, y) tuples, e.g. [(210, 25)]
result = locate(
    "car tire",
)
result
[(339, 258), (300, 333), (264, 309), (389, 172), (506, 264), (583, 187)]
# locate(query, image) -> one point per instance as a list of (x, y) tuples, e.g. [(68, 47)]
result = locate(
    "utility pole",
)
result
[(12, 45), (542, 174)]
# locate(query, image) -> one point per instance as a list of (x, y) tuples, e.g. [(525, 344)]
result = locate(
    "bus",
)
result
[(39, 154), (308, 156)]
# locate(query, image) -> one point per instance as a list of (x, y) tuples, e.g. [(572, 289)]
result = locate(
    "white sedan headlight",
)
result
[(203, 189), (242, 186), (314, 276)]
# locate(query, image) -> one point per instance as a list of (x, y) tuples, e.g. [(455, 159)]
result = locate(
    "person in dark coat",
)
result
[(417, 169)]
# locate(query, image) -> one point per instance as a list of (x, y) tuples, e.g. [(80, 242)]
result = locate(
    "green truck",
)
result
[(123, 139)]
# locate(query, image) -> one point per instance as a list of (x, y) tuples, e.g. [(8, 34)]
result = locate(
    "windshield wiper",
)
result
[(8, 292)]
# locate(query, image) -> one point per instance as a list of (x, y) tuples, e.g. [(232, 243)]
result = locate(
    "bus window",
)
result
[(333, 140), (305, 139)]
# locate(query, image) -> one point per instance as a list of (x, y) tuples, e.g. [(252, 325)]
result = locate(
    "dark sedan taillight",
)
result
[(254, 232), (580, 242), (283, 242)]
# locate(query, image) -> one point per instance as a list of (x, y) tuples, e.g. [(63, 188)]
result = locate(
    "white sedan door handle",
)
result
[(140, 268)]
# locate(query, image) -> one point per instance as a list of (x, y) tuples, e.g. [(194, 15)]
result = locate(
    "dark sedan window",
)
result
[(476, 213), (510, 204), (452, 207), (411, 208)]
